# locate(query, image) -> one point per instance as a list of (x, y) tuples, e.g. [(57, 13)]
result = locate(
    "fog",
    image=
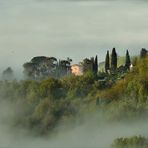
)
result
[(92, 131), (70, 28)]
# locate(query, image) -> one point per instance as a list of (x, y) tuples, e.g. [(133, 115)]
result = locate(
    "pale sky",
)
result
[(70, 28)]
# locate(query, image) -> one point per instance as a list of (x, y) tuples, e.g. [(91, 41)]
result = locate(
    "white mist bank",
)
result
[(90, 133)]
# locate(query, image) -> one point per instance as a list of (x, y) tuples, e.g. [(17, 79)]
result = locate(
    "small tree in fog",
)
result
[(143, 52), (8, 74)]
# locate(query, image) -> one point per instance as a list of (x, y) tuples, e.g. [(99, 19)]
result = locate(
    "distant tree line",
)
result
[(42, 67), (111, 64)]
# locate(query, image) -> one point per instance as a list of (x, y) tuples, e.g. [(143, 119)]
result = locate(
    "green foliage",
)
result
[(90, 65), (137, 86), (133, 142), (79, 86), (50, 88), (43, 104), (87, 65), (133, 85)]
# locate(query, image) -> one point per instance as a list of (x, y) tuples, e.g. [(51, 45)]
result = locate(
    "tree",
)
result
[(143, 52), (40, 67), (8, 74), (87, 65), (96, 65), (90, 65), (113, 60), (127, 60), (50, 88), (64, 67), (107, 62), (30, 70), (93, 64)]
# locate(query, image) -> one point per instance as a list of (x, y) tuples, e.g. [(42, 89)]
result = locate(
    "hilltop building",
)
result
[(77, 69)]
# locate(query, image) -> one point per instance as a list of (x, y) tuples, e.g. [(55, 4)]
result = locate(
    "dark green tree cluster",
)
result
[(107, 62), (114, 60), (42, 67), (64, 67), (143, 52), (127, 60), (111, 64), (90, 65)]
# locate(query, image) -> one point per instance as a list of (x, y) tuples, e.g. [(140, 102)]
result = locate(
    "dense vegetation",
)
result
[(43, 104), (133, 142), (120, 93)]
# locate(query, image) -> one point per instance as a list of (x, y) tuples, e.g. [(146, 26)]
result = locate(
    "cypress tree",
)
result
[(93, 64), (107, 64), (113, 60), (96, 64), (127, 60)]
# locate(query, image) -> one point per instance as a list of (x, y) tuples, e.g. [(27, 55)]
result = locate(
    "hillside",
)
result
[(69, 103)]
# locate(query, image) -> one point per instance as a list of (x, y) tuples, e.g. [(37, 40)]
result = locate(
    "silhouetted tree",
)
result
[(64, 67), (40, 67), (113, 60), (87, 65), (143, 52), (107, 62), (127, 60), (8, 74), (93, 64), (96, 65)]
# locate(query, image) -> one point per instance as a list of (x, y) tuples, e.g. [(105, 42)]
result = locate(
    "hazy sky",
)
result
[(70, 28)]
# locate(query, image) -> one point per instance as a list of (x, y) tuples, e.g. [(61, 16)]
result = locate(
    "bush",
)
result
[(133, 142)]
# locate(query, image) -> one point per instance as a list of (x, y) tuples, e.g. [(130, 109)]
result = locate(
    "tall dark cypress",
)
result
[(107, 62), (93, 64), (113, 60), (96, 64), (127, 60)]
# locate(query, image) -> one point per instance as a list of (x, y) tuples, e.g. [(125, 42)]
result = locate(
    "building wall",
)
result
[(77, 70)]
